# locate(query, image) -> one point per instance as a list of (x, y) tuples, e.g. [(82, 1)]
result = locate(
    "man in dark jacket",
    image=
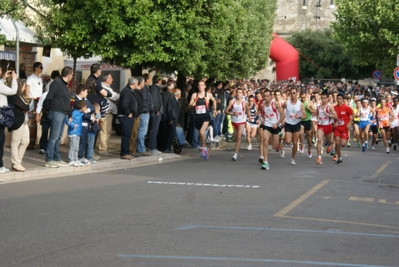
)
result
[(164, 135), (59, 108), (144, 116), (155, 116), (127, 112)]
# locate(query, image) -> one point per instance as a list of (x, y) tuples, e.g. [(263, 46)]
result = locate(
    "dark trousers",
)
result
[(83, 142), (166, 134), (2, 141), (45, 122), (153, 131), (127, 126)]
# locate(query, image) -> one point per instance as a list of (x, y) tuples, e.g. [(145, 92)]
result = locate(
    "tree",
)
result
[(12, 9), (196, 37), (368, 30), (329, 60)]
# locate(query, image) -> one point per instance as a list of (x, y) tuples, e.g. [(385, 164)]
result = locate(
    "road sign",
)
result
[(377, 74), (396, 73)]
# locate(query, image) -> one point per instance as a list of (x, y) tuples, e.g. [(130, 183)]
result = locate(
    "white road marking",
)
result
[(204, 184)]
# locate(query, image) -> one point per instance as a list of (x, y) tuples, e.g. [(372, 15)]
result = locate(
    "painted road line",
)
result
[(333, 232), (302, 198), (381, 169), (291, 262), (345, 222), (364, 199), (204, 184)]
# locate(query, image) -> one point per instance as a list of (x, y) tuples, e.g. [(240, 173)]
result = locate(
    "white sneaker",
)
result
[(387, 150), (4, 170), (249, 147), (234, 158), (218, 138), (282, 154), (78, 164), (309, 154), (72, 163), (301, 149), (373, 148), (293, 162)]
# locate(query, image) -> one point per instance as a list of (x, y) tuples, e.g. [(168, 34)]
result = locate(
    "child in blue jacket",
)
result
[(75, 131)]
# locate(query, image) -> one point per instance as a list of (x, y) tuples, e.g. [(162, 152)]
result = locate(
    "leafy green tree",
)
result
[(221, 38), (325, 57), (368, 29)]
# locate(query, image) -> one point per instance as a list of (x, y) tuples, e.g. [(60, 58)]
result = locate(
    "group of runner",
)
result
[(324, 119)]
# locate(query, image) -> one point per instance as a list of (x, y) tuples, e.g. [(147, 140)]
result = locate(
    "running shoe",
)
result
[(277, 148), (309, 154), (332, 152), (366, 145), (260, 159), (373, 148), (249, 147), (354, 139), (265, 166), (293, 162), (207, 154), (282, 154), (313, 140), (363, 148), (376, 142), (387, 150), (358, 144), (329, 148), (348, 144), (203, 153), (301, 149), (334, 158), (339, 161), (234, 158), (319, 161)]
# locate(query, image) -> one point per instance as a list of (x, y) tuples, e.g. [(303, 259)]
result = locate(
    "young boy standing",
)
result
[(75, 131)]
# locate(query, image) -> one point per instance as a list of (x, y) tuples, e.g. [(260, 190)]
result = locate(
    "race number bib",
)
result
[(200, 109), (340, 122)]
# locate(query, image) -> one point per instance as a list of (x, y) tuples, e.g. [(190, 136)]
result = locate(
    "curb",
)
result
[(38, 173)]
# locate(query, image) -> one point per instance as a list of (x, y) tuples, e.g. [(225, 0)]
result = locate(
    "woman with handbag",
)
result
[(4, 92), (19, 129)]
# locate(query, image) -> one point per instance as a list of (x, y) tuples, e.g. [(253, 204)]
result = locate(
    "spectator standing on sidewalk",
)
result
[(106, 121), (127, 112), (144, 116), (19, 129), (75, 131), (58, 104), (43, 119), (155, 115), (4, 92), (34, 81)]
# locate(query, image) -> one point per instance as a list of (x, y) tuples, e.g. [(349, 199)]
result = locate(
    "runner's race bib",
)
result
[(200, 109)]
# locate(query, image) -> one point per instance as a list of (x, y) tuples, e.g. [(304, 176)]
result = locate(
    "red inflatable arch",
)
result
[(286, 58)]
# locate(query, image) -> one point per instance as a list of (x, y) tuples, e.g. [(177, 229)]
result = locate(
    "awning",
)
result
[(26, 35), (8, 56), (84, 64)]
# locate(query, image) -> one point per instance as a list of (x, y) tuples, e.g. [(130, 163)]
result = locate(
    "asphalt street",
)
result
[(191, 212)]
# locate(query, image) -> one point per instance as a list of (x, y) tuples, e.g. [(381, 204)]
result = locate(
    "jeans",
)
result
[(44, 121), (154, 127), (73, 148), (57, 123), (180, 136), (192, 134), (90, 145), (127, 126), (144, 119), (217, 124)]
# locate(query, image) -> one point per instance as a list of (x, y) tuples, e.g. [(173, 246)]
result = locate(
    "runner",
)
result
[(260, 129), (373, 124), (341, 126), (252, 120), (385, 117), (356, 121), (278, 97), (395, 122), (236, 108), (364, 123), (200, 102), (306, 124), (325, 114), (273, 115), (294, 110)]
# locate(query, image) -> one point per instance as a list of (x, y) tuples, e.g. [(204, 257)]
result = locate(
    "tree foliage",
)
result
[(223, 38), (12, 9), (326, 53), (369, 31)]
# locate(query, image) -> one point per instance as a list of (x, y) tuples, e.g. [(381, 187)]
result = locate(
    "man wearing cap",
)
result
[(341, 126)]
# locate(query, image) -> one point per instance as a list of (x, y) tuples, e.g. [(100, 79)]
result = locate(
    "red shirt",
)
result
[(344, 114)]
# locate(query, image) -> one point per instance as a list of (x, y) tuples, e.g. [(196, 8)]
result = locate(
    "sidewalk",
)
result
[(33, 161)]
